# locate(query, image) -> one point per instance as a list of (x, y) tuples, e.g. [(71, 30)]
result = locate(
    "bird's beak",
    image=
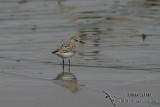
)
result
[(82, 42)]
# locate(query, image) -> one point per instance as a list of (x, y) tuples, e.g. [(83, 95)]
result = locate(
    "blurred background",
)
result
[(121, 54), (122, 34)]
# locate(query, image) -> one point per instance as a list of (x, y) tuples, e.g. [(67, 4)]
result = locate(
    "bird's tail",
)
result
[(54, 52)]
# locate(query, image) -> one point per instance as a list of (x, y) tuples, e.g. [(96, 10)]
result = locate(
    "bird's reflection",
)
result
[(144, 36), (67, 80)]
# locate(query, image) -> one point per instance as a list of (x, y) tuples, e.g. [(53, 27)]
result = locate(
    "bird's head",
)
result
[(76, 40)]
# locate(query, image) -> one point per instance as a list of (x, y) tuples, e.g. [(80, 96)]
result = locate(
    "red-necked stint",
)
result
[(67, 49)]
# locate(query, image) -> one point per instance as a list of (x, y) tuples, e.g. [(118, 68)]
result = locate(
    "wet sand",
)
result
[(116, 58), (22, 90)]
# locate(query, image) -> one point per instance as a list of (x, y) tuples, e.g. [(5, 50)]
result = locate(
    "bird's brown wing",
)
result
[(67, 47)]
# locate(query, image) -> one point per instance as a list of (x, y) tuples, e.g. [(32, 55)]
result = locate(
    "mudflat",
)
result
[(118, 66)]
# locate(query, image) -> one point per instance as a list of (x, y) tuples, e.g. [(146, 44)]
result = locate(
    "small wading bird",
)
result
[(67, 49)]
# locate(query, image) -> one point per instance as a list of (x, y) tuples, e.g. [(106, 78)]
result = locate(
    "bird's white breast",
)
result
[(65, 55)]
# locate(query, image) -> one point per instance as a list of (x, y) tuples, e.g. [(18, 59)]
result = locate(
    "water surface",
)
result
[(116, 50)]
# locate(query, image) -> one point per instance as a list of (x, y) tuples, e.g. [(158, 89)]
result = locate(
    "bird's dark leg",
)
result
[(69, 65), (63, 65)]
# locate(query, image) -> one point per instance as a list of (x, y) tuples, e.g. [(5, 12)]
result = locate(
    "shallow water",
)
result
[(112, 29)]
